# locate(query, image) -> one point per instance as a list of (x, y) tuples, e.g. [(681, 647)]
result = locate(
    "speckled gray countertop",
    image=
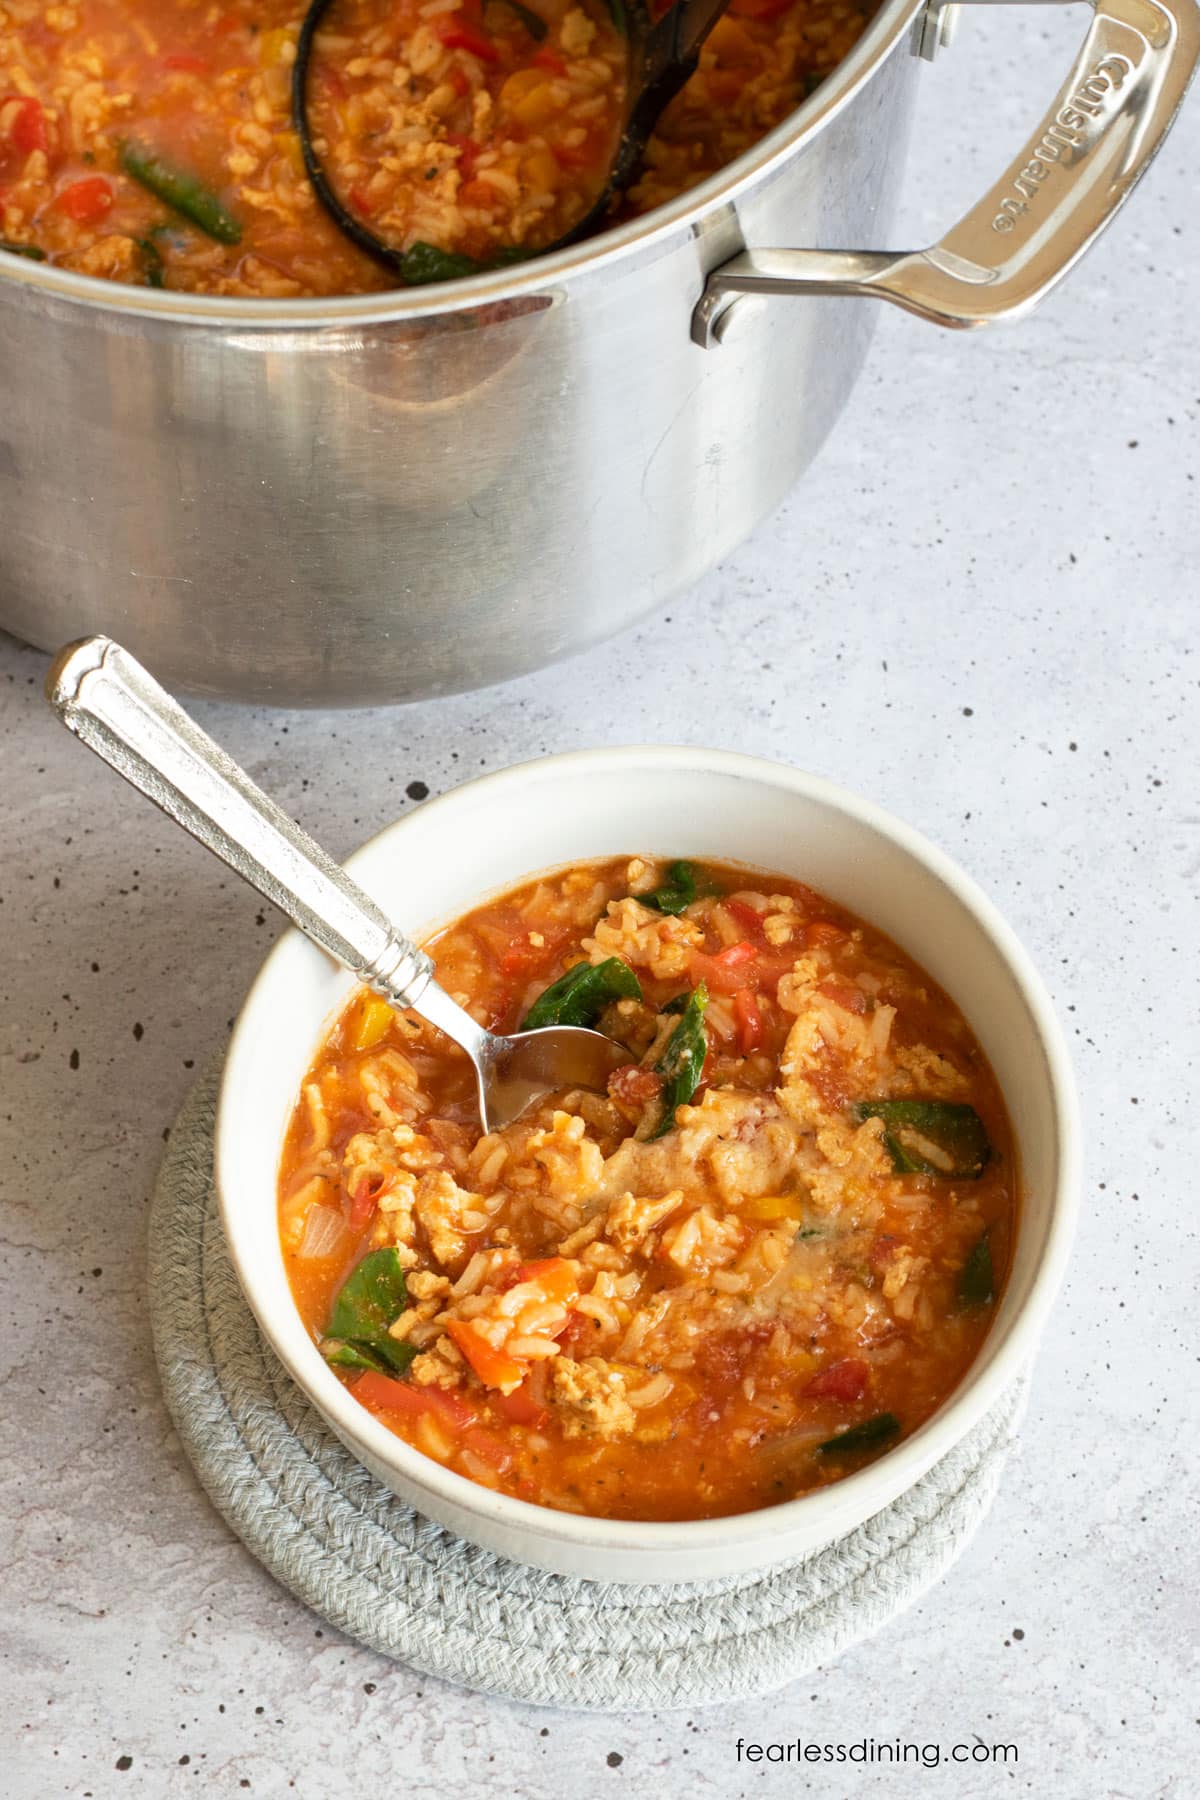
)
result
[(981, 609)]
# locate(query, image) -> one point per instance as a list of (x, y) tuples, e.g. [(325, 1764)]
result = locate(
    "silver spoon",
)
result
[(103, 694)]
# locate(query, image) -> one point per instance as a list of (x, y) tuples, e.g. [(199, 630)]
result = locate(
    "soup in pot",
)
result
[(152, 141)]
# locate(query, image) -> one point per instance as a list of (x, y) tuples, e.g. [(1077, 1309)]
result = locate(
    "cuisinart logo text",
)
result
[(1069, 136)]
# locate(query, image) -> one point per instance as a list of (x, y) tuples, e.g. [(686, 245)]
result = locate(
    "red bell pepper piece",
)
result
[(749, 1020), (385, 1394), (495, 1368), (846, 1380), (86, 201), (468, 153), (728, 971), (520, 1407), (363, 1203), (27, 123), (458, 36)]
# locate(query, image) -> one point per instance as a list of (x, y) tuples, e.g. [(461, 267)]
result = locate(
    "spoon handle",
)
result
[(105, 696)]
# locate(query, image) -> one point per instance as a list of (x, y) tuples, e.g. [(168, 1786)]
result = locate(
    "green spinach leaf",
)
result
[(867, 1436), (955, 1129), (683, 1059), (373, 1294), (357, 1356), (976, 1278), (423, 263), (181, 190), (677, 891), (580, 996)]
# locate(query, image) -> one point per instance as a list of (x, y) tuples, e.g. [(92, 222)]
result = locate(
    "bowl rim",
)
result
[(978, 1389)]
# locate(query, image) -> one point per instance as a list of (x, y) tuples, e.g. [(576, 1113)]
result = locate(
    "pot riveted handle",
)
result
[(1097, 139)]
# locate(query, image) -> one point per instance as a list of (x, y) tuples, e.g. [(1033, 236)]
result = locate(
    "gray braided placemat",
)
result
[(380, 1572)]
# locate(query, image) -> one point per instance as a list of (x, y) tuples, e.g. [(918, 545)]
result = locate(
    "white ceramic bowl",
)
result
[(482, 838)]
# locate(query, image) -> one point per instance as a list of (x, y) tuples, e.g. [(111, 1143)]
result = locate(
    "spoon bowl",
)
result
[(514, 1072), (105, 696)]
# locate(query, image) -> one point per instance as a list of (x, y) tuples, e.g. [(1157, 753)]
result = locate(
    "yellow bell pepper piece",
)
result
[(373, 1023), (772, 1207)]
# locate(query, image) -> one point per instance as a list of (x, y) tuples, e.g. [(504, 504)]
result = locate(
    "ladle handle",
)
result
[(105, 696)]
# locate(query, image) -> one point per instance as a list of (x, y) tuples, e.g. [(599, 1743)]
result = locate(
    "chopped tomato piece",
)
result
[(633, 1086), (555, 1276), (26, 129), (495, 1368), (749, 1020), (481, 193), (520, 1407), (823, 931), (844, 994), (461, 37), (389, 1395), (724, 86), (185, 62), (883, 1250), (489, 1448), (360, 201), (750, 921), (86, 201), (546, 58), (770, 970), (846, 1380), (468, 153), (575, 156), (728, 971), (505, 935)]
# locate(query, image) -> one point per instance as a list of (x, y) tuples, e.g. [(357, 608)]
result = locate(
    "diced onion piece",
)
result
[(324, 1232)]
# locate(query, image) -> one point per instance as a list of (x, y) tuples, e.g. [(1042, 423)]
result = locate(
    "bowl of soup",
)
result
[(719, 1314)]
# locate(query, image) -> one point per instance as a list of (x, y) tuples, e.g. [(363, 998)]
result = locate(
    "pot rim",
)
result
[(689, 211), (861, 1493)]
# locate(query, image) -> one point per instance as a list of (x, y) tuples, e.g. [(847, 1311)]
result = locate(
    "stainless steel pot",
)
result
[(389, 497)]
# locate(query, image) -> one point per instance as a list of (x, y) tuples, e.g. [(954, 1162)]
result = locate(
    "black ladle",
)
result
[(662, 59)]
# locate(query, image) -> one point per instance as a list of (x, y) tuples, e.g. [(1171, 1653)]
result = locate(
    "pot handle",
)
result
[(1098, 137)]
